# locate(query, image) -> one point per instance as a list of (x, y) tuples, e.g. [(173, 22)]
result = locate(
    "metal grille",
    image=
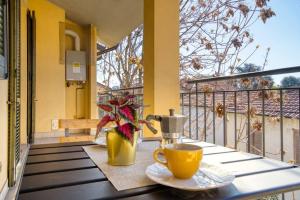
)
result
[(18, 86), (14, 89)]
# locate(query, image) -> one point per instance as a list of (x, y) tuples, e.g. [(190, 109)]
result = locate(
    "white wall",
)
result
[(272, 132), (272, 135)]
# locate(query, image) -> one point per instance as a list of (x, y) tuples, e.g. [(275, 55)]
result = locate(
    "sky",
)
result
[(282, 34)]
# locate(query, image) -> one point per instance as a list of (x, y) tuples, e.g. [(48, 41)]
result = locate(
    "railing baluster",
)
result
[(205, 116), (248, 122), (263, 123), (224, 120), (182, 104), (182, 110), (281, 126), (197, 117), (214, 118), (190, 116), (235, 122)]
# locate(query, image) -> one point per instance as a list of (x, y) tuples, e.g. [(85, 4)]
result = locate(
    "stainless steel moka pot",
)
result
[(171, 126)]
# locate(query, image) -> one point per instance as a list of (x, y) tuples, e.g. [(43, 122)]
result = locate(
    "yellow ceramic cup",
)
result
[(183, 160)]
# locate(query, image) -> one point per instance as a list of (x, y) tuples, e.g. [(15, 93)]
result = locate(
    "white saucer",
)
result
[(209, 176)]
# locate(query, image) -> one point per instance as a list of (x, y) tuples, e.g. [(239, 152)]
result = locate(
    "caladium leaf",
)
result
[(130, 96), (123, 101), (126, 131), (105, 120), (105, 107), (114, 102), (128, 113), (123, 107)]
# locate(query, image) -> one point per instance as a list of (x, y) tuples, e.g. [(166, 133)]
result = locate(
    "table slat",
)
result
[(230, 157), (56, 157), (54, 150), (255, 166), (68, 144), (216, 150), (97, 190), (60, 179), (195, 142), (58, 166)]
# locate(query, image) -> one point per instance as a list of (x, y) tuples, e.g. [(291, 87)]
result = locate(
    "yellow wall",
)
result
[(93, 110), (161, 57), (82, 94), (50, 74), (54, 99), (3, 131), (86, 98)]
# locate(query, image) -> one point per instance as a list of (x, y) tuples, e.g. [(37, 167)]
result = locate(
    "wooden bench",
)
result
[(68, 124)]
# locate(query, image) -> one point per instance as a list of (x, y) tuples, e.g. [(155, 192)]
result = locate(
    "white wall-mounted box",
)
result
[(75, 66)]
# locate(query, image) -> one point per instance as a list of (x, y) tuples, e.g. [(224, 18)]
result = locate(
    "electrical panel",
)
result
[(75, 66)]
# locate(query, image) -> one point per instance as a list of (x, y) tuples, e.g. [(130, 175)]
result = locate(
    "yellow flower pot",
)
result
[(120, 151)]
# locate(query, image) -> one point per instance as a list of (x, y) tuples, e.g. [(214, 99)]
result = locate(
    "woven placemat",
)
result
[(125, 177)]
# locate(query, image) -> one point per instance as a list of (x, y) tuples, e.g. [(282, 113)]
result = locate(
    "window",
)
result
[(3, 65)]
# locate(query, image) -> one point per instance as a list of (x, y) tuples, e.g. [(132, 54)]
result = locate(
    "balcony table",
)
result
[(65, 171)]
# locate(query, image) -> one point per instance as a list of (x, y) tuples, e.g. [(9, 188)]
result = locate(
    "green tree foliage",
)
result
[(290, 81)]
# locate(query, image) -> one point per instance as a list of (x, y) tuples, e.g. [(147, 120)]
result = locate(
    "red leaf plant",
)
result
[(121, 110), (105, 107)]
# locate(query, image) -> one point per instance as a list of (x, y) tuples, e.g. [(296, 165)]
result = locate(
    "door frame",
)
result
[(31, 79)]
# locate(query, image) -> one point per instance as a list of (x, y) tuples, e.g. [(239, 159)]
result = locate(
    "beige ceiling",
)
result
[(114, 19)]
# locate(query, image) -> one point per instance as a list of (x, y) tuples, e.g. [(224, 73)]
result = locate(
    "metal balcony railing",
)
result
[(241, 111)]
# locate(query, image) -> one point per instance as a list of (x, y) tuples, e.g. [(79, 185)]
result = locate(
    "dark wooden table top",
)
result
[(65, 171)]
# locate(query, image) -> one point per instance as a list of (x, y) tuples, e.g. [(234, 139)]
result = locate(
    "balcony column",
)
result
[(161, 57), (92, 80)]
